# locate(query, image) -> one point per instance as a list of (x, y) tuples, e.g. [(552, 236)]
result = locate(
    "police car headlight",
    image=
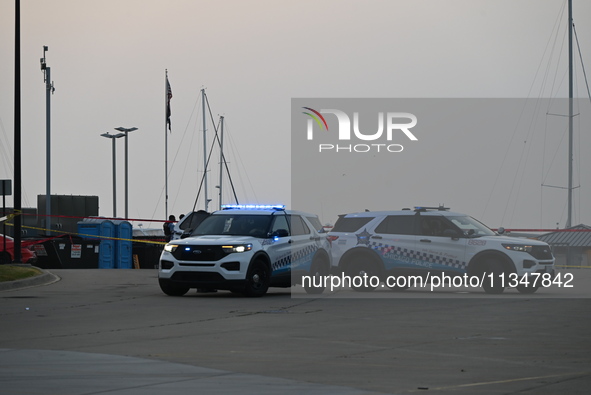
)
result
[(170, 247), (237, 248), (518, 247)]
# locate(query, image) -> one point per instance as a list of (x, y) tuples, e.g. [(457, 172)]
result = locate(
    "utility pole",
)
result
[(17, 133), (49, 89)]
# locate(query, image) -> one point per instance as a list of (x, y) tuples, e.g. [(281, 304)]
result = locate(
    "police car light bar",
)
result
[(440, 208), (253, 207)]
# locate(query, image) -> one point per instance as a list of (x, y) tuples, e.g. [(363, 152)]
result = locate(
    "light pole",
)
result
[(49, 89), (126, 131), (113, 137)]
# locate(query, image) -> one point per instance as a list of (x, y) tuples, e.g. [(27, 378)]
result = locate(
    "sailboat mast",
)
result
[(570, 114), (204, 149), (221, 157)]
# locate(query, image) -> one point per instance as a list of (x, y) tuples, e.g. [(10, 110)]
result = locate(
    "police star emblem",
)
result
[(363, 237)]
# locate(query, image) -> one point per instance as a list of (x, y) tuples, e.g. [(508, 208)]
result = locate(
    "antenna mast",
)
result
[(570, 114), (204, 148)]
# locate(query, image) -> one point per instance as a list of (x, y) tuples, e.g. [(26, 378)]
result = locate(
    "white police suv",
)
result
[(246, 249), (432, 241)]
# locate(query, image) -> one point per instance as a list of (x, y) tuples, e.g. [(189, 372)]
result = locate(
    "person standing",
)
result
[(169, 228)]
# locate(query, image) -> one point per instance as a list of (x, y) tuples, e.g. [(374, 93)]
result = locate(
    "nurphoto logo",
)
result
[(397, 124)]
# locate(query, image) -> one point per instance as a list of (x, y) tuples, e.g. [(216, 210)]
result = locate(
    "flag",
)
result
[(168, 97)]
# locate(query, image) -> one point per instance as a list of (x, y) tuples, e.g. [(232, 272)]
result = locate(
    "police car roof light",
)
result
[(253, 207), (440, 208)]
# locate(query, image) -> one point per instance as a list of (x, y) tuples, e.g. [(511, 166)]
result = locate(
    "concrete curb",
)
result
[(45, 278)]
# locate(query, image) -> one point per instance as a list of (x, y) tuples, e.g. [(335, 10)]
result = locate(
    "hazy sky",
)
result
[(108, 60)]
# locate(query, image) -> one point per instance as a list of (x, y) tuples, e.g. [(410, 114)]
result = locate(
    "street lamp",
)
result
[(113, 137), (49, 89), (126, 131)]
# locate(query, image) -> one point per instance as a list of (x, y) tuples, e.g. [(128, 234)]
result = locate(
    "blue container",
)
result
[(105, 231), (123, 245)]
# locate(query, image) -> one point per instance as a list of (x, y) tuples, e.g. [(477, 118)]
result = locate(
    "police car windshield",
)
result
[(471, 227), (234, 225)]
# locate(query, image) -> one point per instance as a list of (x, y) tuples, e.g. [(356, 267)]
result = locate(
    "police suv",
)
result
[(432, 241), (246, 249)]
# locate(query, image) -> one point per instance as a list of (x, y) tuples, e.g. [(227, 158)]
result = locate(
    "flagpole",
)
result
[(166, 104)]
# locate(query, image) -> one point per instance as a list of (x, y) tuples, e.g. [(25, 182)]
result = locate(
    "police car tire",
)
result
[(395, 287), (257, 279), (494, 287), (172, 289), (319, 269), (359, 269)]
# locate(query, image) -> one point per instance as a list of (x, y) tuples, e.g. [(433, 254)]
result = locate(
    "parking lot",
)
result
[(114, 331)]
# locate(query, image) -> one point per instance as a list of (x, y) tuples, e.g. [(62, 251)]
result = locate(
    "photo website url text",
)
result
[(441, 280)]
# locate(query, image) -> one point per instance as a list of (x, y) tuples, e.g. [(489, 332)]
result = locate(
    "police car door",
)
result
[(394, 241), (440, 247), (304, 244), (279, 251)]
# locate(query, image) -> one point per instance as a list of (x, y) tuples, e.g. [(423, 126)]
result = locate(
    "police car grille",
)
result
[(541, 252), (199, 253), (197, 277)]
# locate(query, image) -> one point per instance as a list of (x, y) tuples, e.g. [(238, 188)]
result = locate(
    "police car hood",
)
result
[(217, 239), (512, 240)]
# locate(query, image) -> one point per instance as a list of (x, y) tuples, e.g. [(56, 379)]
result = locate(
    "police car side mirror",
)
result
[(501, 230), (280, 233), (186, 233), (451, 233)]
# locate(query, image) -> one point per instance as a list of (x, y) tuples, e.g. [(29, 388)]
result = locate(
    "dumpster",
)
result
[(68, 253), (147, 246), (148, 254)]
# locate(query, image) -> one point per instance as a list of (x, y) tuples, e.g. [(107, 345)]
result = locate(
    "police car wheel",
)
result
[(257, 279), (172, 289), (396, 287), (362, 272), (493, 283), (319, 270)]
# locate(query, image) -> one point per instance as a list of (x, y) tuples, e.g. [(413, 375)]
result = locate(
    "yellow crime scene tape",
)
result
[(10, 216), (90, 236), (6, 218)]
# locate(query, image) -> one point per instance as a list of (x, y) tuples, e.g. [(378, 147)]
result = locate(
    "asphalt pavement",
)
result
[(93, 331)]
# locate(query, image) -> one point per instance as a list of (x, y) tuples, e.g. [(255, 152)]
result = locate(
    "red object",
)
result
[(331, 239), (8, 255)]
